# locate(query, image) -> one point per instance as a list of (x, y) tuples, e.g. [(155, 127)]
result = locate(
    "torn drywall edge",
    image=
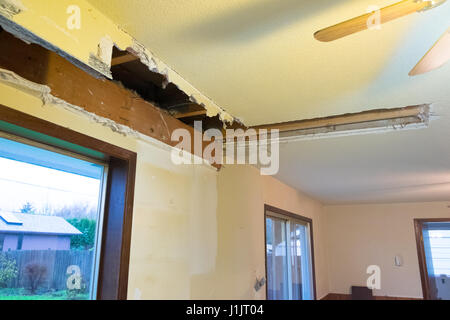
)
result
[(10, 8), (43, 92), (156, 65), (29, 37), (94, 62)]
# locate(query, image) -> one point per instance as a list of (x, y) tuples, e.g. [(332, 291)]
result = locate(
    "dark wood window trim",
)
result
[(116, 236), (418, 226), (297, 217)]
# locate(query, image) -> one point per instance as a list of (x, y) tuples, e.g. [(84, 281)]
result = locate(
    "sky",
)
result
[(44, 188)]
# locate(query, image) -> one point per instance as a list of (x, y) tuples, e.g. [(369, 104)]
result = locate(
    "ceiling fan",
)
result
[(436, 57)]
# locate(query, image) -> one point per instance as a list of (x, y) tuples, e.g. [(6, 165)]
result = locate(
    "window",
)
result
[(289, 257), (114, 231), (434, 256), (51, 211)]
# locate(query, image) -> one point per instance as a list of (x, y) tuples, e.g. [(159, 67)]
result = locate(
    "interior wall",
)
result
[(241, 247), (362, 235), (197, 233)]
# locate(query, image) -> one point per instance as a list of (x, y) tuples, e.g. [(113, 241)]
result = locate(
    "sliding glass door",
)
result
[(288, 256), (434, 257)]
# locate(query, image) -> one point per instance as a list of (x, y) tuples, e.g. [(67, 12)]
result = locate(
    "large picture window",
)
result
[(66, 207), (51, 209)]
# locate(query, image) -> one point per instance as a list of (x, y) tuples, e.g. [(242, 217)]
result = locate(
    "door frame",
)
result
[(297, 217), (418, 226)]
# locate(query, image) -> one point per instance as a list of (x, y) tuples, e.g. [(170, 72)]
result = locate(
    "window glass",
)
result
[(289, 259), (436, 239), (50, 218)]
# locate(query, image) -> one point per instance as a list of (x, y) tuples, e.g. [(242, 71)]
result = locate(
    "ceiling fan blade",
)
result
[(360, 23), (438, 55)]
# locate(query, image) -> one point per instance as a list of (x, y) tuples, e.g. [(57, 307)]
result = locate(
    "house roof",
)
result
[(33, 223)]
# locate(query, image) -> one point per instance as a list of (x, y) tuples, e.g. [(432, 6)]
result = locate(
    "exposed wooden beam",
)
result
[(99, 96), (351, 118), (123, 59), (190, 114)]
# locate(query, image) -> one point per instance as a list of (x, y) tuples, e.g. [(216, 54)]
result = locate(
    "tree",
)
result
[(28, 208), (77, 210), (86, 240)]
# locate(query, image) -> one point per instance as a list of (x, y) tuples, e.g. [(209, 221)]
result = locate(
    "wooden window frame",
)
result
[(418, 227), (116, 236), (297, 217)]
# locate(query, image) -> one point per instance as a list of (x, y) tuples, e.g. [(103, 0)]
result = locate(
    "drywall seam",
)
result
[(43, 92)]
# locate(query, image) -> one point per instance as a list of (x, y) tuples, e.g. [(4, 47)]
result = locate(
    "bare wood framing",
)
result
[(351, 118), (123, 59), (190, 114), (99, 96)]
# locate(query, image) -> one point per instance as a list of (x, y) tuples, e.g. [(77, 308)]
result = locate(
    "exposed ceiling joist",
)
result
[(105, 99), (351, 118), (190, 114), (123, 59)]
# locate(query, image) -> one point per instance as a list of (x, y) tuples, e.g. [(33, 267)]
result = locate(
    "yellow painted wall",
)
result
[(241, 248), (363, 235), (197, 233)]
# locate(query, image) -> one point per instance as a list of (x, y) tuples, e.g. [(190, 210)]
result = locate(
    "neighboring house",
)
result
[(34, 232)]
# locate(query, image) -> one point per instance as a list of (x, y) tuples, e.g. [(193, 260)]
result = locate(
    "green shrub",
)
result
[(8, 270), (35, 274)]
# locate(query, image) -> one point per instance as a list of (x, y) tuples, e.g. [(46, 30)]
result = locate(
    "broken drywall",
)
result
[(102, 60), (28, 37), (89, 47), (10, 8), (43, 92), (157, 66)]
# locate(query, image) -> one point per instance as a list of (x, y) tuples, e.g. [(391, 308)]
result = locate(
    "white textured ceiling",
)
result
[(258, 60)]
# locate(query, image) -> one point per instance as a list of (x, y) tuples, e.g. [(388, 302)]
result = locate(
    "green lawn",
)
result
[(22, 294)]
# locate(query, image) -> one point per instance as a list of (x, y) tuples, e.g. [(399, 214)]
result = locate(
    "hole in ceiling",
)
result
[(127, 69)]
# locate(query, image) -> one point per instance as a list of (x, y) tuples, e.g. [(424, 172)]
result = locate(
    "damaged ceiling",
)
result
[(258, 59)]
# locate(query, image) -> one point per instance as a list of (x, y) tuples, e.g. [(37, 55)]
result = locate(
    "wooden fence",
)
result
[(55, 263)]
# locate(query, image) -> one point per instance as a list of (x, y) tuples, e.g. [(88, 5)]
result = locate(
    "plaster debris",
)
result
[(105, 49), (43, 92), (102, 60), (96, 63), (10, 8)]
